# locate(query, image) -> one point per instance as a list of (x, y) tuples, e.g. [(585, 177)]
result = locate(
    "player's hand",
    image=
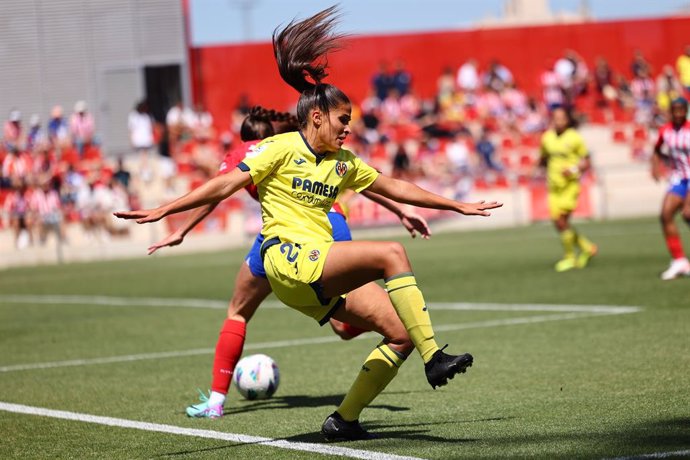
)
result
[(657, 175), (173, 239), (142, 216), (414, 223), (479, 208)]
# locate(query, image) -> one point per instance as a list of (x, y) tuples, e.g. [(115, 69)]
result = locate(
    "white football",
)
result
[(256, 377)]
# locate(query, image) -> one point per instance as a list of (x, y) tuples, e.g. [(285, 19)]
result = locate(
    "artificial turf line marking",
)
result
[(208, 434), (298, 342), (677, 453), (221, 304)]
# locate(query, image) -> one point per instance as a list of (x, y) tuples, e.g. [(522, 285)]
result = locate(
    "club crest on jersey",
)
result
[(341, 168), (314, 255)]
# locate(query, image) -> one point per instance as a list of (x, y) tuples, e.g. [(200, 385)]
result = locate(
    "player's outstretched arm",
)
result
[(213, 191), (177, 237), (409, 193), (412, 221)]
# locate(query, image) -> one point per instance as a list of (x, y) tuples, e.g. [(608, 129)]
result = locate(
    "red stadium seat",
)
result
[(619, 135)]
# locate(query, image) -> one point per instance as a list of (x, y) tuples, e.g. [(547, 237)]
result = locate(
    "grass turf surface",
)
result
[(594, 386)]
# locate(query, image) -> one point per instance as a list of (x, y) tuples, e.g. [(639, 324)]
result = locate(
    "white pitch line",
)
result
[(208, 434), (298, 342), (221, 304), (677, 453), (472, 306), (111, 301)]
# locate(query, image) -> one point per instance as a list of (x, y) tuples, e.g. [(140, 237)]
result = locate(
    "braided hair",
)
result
[(261, 123)]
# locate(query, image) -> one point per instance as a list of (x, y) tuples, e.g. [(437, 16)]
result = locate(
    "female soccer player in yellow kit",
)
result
[(299, 175), (565, 157)]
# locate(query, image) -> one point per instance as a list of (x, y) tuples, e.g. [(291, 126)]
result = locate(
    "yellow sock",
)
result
[(568, 242), (378, 370), (583, 243), (409, 304)]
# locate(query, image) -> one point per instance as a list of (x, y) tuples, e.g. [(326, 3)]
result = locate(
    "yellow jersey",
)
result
[(562, 152), (297, 186)]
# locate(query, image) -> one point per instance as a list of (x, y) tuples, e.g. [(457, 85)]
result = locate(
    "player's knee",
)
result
[(395, 252)]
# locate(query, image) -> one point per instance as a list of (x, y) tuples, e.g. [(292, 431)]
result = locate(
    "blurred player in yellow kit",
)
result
[(565, 157)]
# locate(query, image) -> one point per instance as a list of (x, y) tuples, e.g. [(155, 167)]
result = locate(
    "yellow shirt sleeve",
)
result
[(362, 175), (261, 160)]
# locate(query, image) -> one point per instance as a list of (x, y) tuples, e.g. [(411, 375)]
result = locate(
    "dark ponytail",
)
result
[(300, 50)]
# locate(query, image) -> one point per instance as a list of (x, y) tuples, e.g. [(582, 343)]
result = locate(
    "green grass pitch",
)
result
[(545, 383)]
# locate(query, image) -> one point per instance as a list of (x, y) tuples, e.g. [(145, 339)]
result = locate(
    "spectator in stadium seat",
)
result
[(16, 167), (201, 119), (19, 215), (566, 70), (401, 163), (603, 81), (44, 166), (668, 88), (486, 150), (12, 132), (468, 76), (445, 85), (48, 208), (382, 82), (623, 92), (121, 174), (58, 131), (401, 79), (178, 121), (458, 155), (639, 64), (497, 76), (81, 126), (534, 120), (204, 152), (683, 67), (552, 90), (36, 135), (643, 92), (140, 124)]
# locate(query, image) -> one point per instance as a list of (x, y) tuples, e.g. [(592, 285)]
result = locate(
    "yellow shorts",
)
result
[(563, 200), (294, 271)]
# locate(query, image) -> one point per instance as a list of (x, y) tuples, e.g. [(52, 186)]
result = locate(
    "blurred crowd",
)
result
[(53, 173), (480, 130)]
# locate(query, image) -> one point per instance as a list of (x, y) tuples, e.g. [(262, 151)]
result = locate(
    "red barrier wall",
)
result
[(221, 73)]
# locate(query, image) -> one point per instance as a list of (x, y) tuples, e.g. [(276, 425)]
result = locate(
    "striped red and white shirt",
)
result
[(45, 203), (643, 89), (677, 142)]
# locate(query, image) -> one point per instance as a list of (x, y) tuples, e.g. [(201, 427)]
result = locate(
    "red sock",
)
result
[(675, 246), (228, 352)]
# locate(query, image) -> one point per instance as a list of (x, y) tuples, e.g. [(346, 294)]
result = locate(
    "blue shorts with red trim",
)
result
[(341, 232), (679, 187)]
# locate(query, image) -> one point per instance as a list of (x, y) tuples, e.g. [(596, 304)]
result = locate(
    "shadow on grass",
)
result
[(293, 401), (634, 440), (384, 431), (644, 438)]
